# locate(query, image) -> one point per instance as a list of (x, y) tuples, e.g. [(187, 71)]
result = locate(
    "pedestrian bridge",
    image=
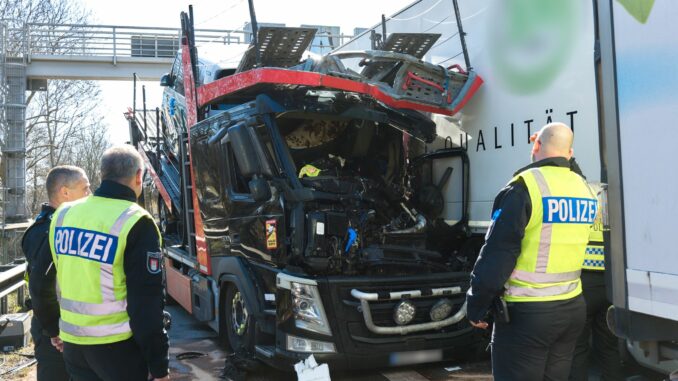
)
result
[(34, 53), (106, 52), (113, 52)]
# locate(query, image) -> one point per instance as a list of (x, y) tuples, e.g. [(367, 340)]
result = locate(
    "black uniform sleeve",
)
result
[(497, 259), (42, 277), (145, 301)]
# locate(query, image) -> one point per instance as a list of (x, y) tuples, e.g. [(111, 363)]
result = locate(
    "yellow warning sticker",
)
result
[(271, 235)]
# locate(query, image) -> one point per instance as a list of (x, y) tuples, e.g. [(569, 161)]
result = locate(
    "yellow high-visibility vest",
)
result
[(87, 239), (309, 171), (552, 250), (594, 257)]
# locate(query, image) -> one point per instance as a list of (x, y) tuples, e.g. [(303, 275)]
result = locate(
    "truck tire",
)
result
[(239, 328)]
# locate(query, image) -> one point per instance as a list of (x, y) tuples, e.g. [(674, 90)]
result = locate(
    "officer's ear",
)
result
[(64, 192), (139, 177)]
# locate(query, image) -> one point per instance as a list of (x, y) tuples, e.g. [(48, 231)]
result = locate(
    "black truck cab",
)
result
[(299, 212)]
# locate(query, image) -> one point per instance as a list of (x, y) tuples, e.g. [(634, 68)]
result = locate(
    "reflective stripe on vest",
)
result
[(548, 291), (97, 309), (88, 250), (546, 229), (96, 330), (563, 207), (527, 276)]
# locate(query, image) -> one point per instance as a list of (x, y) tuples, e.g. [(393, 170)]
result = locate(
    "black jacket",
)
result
[(42, 275), (145, 298), (511, 213)]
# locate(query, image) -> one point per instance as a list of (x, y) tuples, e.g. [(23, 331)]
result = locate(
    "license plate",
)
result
[(415, 357)]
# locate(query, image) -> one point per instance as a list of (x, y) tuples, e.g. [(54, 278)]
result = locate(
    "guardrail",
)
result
[(130, 41), (11, 280)]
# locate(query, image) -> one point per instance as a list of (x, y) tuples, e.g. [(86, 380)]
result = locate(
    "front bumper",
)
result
[(371, 338)]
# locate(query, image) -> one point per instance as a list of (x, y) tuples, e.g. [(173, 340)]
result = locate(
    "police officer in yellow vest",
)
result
[(532, 260), (64, 183), (605, 343), (106, 250)]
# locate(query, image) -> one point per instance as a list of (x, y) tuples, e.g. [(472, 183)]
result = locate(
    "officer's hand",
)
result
[(58, 344), (479, 324)]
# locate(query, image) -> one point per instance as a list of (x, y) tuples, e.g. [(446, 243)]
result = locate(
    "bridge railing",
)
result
[(128, 41), (115, 41)]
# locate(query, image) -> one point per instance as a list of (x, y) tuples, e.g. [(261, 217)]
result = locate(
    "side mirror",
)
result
[(166, 80), (260, 189), (243, 149)]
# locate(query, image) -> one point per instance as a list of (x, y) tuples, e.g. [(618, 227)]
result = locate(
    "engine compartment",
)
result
[(330, 183), (372, 224)]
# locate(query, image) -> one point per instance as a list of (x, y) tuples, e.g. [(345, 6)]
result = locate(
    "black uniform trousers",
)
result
[(596, 332), (538, 342), (51, 366), (106, 362)]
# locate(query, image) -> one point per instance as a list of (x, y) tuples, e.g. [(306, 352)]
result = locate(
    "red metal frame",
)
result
[(156, 180), (213, 91), (206, 94), (192, 119), (477, 82)]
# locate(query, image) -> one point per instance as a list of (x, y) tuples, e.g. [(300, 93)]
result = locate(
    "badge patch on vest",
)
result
[(153, 262), (569, 210), (86, 244)]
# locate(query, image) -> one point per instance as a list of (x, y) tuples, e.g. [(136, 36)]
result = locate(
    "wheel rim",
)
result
[(239, 314)]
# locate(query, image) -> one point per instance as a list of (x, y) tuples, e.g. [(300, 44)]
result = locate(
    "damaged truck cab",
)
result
[(334, 262), (298, 208)]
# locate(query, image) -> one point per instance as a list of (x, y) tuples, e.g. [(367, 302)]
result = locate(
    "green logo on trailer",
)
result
[(531, 41)]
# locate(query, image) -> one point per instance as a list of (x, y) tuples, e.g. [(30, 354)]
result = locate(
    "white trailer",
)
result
[(540, 63), (639, 102), (537, 65)]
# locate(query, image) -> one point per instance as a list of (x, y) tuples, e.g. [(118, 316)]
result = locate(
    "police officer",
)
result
[(532, 259), (64, 183), (106, 249), (605, 343)]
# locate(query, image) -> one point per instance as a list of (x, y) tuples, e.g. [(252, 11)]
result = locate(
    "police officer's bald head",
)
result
[(124, 165), (553, 140)]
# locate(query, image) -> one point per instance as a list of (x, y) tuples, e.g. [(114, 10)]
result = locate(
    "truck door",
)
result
[(442, 195), (255, 218)]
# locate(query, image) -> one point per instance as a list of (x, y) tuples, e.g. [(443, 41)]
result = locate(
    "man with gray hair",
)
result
[(107, 254), (64, 183)]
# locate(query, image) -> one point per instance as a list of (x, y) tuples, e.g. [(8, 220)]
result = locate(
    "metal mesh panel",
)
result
[(12, 131), (414, 44), (279, 47)]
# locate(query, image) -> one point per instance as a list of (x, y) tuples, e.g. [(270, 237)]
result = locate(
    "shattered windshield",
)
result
[(342, 148)]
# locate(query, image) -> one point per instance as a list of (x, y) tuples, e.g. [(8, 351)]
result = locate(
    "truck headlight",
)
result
[(404, 312), (441, 310), (309, 313)]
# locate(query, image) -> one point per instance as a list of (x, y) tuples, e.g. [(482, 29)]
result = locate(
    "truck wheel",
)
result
[(239, 327)]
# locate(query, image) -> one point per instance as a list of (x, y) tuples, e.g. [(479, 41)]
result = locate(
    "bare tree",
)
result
[(63, 125)]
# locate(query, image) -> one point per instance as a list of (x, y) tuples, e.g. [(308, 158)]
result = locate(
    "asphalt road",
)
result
[(207, 361), (195, 354)]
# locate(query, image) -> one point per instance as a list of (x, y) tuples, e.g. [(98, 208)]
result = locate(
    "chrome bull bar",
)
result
[(365, 299)]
